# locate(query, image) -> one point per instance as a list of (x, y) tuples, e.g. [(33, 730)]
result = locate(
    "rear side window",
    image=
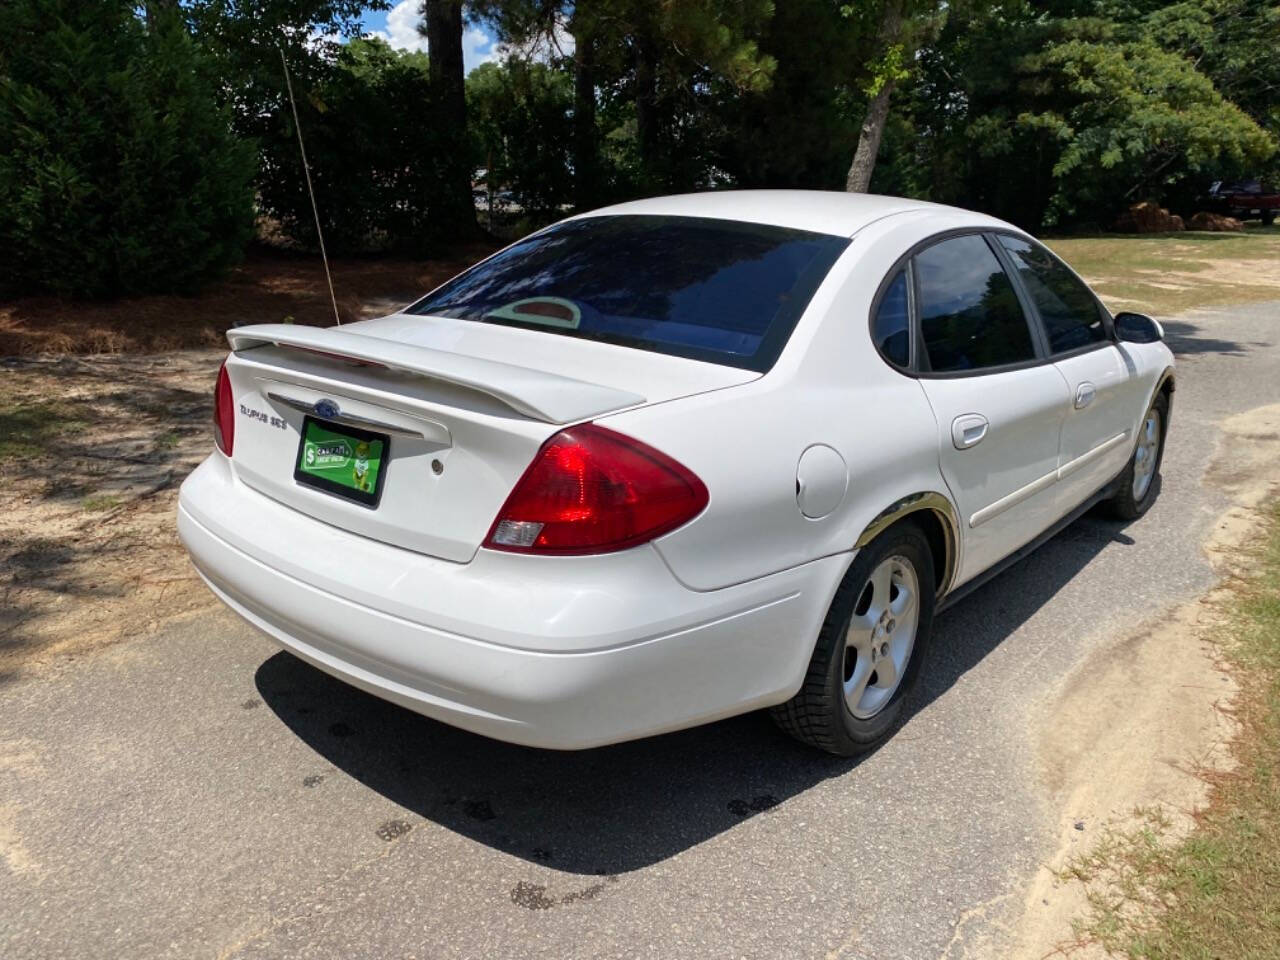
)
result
[(1071, 315), (715, 290), (892, 327), (970, 316)]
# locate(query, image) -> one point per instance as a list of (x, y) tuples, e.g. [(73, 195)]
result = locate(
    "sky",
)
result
[(399, 27)]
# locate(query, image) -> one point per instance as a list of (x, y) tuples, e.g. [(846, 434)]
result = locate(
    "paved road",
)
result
[(200, 793)]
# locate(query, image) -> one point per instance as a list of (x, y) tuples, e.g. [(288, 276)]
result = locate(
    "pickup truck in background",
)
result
[(1246, 199)]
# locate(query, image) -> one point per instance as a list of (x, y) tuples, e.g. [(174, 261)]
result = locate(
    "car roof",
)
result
[(819, 211)]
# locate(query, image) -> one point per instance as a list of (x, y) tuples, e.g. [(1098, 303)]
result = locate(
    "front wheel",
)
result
[(1140, 482), (869, 649)]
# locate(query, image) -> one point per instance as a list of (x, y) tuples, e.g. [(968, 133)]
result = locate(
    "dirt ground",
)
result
[(104, 408), (92, 451), (269, 287), (1185, 722)]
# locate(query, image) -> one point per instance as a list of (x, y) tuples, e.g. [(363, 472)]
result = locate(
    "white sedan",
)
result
[(674, 460)]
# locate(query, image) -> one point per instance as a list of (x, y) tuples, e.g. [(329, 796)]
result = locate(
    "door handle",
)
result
[(968, 429), (1085, 394)]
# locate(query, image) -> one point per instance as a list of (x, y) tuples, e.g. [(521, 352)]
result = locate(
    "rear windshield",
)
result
[(715, 290)]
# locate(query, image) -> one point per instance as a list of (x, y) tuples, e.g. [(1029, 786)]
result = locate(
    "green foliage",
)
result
[(118, 171), (660, 73), (1069, 116), (521, 114), (115, 118), (375, 160), (1130, 118), (801, 130)]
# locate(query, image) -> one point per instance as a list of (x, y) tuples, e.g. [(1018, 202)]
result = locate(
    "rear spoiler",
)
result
[(548, 397)]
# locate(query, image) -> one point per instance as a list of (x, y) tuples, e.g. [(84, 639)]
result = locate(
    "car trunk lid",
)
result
[(461, 421)]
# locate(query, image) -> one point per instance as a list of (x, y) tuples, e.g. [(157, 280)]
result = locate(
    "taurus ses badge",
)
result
[(326, 409)]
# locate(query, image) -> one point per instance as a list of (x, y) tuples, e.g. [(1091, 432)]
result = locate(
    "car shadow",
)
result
[(620, 808), (1185, 338)]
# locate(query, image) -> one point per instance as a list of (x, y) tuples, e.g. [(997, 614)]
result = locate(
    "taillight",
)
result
[(591, 490), (224, 415)]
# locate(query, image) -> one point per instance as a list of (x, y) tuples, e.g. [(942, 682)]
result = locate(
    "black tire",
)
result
[(817, 714), (1124, 504), (1268, 217)]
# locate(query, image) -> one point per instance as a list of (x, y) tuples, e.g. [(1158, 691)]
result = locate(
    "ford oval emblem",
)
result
[(327, 409)]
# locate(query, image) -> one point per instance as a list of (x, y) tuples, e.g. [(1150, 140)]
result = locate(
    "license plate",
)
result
[(345, 461)]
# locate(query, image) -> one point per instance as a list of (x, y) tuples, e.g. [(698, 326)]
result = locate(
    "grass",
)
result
[(1170, 273), (100, 501), (1214, 893), (29, 427)]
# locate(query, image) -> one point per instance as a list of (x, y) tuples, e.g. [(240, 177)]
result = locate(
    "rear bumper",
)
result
[(565, 653)]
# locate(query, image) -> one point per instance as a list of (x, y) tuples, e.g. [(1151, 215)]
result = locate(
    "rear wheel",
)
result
[(1140, 483), (869, 650)]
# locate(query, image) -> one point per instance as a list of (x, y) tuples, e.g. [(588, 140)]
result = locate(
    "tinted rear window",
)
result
[(715, 290), (892, 329)]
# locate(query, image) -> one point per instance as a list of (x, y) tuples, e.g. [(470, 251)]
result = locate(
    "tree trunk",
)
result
[(864, 157), (457, 211), (586, 150), (647, 108)]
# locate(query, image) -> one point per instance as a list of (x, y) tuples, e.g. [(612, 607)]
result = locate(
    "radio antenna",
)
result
[(310, 190)]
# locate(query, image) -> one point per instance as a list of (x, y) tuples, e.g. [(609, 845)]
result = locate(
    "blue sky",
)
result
[(398, 26)]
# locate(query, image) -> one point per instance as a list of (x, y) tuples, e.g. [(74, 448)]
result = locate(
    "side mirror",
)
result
[(1138, 328)]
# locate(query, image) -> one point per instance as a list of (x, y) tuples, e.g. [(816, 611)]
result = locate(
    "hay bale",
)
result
[(1148, 217), (1216, 222)]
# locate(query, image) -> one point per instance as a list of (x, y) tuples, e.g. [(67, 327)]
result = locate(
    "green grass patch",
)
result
[(28, 428), (1214, 893), (1169, 273), (100, 501)]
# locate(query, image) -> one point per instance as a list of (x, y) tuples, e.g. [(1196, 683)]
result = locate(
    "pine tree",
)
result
[(118, 173)]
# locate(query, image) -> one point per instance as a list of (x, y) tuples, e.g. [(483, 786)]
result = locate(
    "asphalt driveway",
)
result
[(199, 793)]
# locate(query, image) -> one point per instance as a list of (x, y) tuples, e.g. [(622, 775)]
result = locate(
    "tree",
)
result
[(522, 114), (1052, 114), (376, 166), (118, 171), (646, 75), (443, 29), (800, 131), (903, 26), (1130, 120)]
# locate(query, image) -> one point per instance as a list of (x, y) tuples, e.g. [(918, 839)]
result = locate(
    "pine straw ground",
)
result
[(1213, 894), (269, 287)]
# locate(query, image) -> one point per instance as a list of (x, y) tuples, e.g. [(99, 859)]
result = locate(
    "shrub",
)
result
[(118, 172), (377, 160)]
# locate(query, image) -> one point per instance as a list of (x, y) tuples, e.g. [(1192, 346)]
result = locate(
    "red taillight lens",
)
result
[(224, 414), (591, 490)]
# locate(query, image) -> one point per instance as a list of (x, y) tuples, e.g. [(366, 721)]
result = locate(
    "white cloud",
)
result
[(402, 32), (402, 26), (477, 48)]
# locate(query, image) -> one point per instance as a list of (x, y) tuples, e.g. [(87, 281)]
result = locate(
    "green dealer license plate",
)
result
[(345, 461)]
